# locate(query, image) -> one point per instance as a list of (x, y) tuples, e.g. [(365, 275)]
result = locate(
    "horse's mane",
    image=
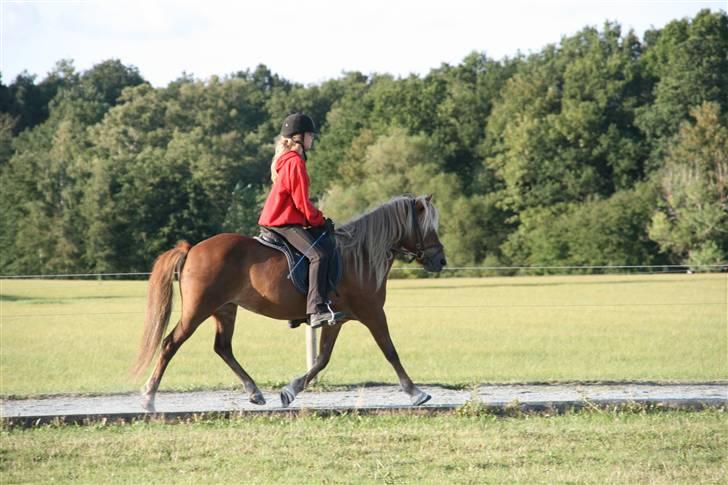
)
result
[(366, 241)]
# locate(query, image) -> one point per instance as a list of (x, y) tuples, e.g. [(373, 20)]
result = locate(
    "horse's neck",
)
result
[(373, 248)]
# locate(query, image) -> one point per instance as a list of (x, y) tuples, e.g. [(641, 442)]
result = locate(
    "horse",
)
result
[(227, 271)]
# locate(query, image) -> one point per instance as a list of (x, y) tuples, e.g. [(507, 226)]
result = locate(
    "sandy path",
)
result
[(527, 396)]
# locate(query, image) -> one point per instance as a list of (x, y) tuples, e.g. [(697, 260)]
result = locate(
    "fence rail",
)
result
[(658, 267)]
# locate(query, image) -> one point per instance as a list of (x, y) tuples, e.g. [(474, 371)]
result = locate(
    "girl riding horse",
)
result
[(289, 212)]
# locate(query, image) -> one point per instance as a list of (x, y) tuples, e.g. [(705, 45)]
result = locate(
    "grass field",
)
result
[(586, 447), (81, 336)]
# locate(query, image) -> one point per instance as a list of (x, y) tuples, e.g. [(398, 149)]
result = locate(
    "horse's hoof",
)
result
[(287, 396), (420, 399), (257, 398), (148, 403)]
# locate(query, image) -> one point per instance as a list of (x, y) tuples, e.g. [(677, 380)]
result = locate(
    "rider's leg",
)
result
[(316, 253), (318, 295)]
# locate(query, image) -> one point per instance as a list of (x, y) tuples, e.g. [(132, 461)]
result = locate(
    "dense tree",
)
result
[(245, 206), (461, 114), (7, 125), (29, 103), (598, 232), (691, 224), (562, 130), (43, 185), (475, 229), (687, 59), (164, 167), (106, 81), (393, 164), (581, 153), (344, 122)]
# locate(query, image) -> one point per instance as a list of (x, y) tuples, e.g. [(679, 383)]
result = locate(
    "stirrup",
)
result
[(333, 314), (336, 317)]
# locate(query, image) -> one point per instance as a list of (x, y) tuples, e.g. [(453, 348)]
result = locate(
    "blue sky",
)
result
[(306, 42)]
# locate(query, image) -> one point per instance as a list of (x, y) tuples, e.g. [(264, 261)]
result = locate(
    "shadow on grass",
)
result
[(49, 300)]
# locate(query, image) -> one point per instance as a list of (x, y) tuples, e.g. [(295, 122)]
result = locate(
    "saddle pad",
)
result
[(299, 273)]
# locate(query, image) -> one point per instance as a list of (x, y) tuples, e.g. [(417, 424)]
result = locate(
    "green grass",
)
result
[(626, 447), (81, 336)]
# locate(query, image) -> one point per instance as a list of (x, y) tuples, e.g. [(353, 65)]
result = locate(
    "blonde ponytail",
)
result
[(285, 145)]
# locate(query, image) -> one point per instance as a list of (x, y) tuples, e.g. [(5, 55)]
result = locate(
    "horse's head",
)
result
[(421, 242)]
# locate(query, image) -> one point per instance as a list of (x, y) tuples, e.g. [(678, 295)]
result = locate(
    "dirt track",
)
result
[(526, 396)]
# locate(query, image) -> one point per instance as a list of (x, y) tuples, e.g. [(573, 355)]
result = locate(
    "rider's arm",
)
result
[(299, 192)]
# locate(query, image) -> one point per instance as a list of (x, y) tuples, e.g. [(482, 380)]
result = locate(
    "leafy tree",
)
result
[(562, 130), (691, 224), (345, 120), (245, 206), (28, 102), (138, 192), (598, 232), (7, 124), (461, 114), (105, 81), (450, 106), (687, 58), (475, 229), (538, 159), (166, 164), (45, 180), (394, 164), (42, 191)]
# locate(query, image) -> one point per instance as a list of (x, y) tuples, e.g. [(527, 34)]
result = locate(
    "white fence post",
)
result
[(311, 348)]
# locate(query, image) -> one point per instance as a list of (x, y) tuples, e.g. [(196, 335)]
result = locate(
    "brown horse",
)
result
[(226, 271)]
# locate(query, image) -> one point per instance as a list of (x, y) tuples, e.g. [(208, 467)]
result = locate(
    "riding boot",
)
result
[(296, 323), (325, 314)]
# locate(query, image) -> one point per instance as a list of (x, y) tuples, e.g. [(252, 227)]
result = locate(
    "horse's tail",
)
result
[(159, 303)]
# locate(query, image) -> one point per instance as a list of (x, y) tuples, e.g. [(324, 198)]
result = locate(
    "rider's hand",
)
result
[(329, 225)]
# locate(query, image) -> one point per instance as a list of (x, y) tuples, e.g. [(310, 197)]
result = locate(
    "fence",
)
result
[(650, 268)]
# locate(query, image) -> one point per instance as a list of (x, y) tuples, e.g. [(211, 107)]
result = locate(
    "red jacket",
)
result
[(288, 201)]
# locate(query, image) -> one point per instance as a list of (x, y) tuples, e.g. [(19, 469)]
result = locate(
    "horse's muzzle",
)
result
[(435, 263)]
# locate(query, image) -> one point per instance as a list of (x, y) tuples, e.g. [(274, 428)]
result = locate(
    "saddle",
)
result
[(297, 268)]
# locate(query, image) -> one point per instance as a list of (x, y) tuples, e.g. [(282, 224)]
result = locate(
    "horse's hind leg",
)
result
[(225, 325), (328, 339), (170, 345)]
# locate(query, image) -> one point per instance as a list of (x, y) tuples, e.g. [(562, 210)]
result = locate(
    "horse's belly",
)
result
[(270, 293)]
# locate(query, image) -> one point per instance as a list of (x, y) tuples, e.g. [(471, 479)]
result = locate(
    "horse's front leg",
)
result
[(377, 325), (329, 333)]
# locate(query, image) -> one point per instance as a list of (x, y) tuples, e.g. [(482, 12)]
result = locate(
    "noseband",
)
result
[(420, 247)]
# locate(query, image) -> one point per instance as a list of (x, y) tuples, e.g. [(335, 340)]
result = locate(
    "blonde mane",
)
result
[(366, 242)]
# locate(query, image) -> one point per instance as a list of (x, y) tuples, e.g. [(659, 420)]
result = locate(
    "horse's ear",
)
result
[(421, 205)]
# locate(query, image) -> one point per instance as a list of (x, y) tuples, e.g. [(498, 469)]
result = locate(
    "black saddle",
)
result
[(298, 270)]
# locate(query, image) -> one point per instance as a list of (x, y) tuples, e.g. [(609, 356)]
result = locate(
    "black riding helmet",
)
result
[(297, 123)]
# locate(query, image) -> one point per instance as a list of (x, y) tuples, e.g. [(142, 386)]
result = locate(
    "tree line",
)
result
[(602, 149)]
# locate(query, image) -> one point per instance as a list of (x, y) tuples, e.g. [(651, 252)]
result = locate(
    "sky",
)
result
[(302, 41)]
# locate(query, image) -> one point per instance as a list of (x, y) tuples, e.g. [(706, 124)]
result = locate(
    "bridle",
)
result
[(420, 248)]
